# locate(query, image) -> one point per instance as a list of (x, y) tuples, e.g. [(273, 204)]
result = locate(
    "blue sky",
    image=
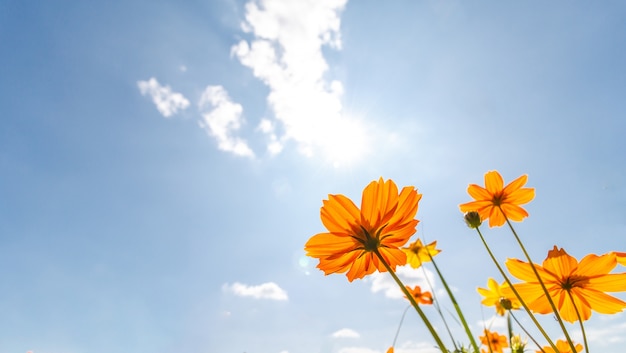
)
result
[(163, 163)]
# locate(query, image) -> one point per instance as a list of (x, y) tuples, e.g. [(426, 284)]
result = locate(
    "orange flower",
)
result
[(495, 201), (562, 347), (494, 296), (420, 297), (494, 341), (418, 253), (621, 258), (570, 282), (384, 223)]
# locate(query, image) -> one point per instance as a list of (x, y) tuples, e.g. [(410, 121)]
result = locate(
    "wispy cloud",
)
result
[(416, 347), (345, 333), (357, 350), (382, 282), (286, 54), (269, 290), (221, 118), (167, 102)]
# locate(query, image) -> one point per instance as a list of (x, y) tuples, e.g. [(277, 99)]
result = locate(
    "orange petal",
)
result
[(493, 182), (340, 215), (521, 196), (560, 263)]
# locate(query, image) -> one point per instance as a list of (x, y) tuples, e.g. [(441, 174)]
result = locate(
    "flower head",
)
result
[(420, 297), (418, 253), (357, 237), (517, 345), (573, 286), (562, 347), (498, 202), (494, 296), (494, 341)]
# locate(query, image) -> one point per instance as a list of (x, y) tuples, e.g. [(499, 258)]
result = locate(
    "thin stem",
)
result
[(438, 307), (400, 325), (408, 295), (517, 295), (526, 332), (455, 304), (580, 320), (543, 286)]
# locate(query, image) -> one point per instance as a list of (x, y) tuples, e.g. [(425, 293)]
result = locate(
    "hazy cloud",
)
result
[(357, 350), (382, 282), (167, 102), (346, 333), (221, 117), (269, 290)]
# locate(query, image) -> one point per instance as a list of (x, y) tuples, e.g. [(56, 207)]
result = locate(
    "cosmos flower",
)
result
[(494, 341), (562, 347), (494, 296), (496, 201), (356, 237), (418, 253), (420, 297), (572, 285)]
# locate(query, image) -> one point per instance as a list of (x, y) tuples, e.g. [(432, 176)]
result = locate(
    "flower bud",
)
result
[(472, 218), (506, 303)]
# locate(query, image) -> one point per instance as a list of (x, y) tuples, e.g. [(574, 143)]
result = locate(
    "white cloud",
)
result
[(167, 102), (609, 333), (346, 333), (269, 290), (286, 55), (220, 118), (416, 347), (357, 350), (409, 276)]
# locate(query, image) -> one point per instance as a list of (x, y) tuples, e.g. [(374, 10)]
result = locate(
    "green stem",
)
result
[(580, 320), (438, 307), (456, 305), (543, 286), (400, 325), (409, 296), (526, 332), (517, 295)]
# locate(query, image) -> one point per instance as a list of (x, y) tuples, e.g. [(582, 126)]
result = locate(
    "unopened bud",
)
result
[(506, 303), (472, 218)]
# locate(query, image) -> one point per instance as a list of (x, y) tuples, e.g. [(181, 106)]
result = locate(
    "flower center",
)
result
[(370, 242), (574, 281), (497, 199)]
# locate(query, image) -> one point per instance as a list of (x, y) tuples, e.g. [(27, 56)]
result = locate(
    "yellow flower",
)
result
[(385, 222), (567, 280), (494, 341), (420, 297), (494, 296), (517, 345), (562, 347), (495, 201), (417, 253)]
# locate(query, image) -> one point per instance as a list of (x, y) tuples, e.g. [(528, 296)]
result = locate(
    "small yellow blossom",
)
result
[(418, 253)]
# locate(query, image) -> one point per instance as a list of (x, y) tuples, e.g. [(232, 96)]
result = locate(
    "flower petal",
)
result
[(493, 182)]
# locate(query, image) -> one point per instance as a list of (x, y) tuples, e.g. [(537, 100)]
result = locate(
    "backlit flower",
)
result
[(494, 342), (495, 201), (385, 222), (517, 345), (562, 347), (567, 280), (494, 296), (420, 297), (418, 253), (621, 258)]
